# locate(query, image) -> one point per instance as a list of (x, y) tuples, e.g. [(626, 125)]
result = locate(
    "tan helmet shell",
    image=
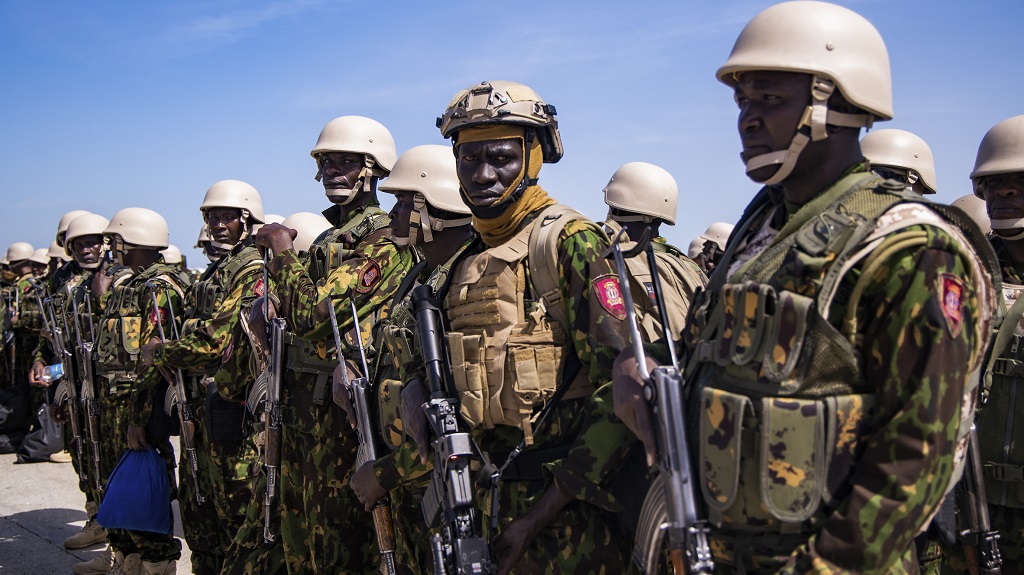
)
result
[(139, 227), (56, 251), (719, 233), (977, 209), (274, 219), (19, 251), (234, 194), (821, 39), (309, 226), (86, 225), (696, 247), (504, 102), (901, 149), (642, 188), (428, 170), (358, 135), (204, 238), (1001, 150), (40, 256), (172, 255), (66, 219)]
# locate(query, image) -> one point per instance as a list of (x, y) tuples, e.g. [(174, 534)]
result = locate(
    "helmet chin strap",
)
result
[(364, 183), (812, 128), (420, 219), (1018, 225), (246, 232), (632, 218)]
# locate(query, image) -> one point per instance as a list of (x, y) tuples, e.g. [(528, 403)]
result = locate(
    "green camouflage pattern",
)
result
[(913, 354)]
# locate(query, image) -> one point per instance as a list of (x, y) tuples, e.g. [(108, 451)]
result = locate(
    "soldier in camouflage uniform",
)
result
[(901, 156), (127, 391), (428, 215), (829, 360), (551, 312), (225, 456), (323, 528), (25, 323)]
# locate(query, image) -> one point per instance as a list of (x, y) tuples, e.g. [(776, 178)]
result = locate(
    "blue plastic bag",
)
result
[(138, 494)]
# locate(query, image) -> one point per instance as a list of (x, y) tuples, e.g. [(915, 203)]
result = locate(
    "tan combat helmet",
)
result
[(976, 208), (19, 252), (56, 251), (267, 219), (718, 233), (204, 238), (1001, 152), (837, 47), (647, 192), (87, 225), (133, 228), (309, 227), (696, 247), (172, 255), (902, 152), (357, 135), (62, 226), (234, 194), (40, 256), (428, 172)]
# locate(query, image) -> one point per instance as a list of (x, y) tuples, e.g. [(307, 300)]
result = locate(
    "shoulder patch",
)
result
[(259, 288), (159, 315), (369, 276), (951, 301), (609, 294)]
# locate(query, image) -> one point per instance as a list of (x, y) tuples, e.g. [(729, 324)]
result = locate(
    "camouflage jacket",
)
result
[(67, 277), (885, 381), (129, 320), (28, 317)]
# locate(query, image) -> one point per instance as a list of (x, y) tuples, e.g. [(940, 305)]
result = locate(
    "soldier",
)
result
[(212, 253), (642, 196), (901, 156), (58, 257), (430, 216), (225, 457), (323, 528), (976, 209), (129, 319), (552, 319), (827, 365), (25, 323), (707, 249), (172, 257), (998, 179), (40, 262)]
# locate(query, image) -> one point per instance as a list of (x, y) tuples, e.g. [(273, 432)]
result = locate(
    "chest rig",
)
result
[(783, 408), (508, 347), (120, 329), (1001, 418)]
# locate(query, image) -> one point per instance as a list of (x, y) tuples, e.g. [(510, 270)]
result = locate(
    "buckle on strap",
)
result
[(1008, 367), (1003, 472)]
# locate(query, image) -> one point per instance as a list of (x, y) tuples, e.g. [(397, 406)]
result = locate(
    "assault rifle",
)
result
[(186, 419), (449, 498), (83, 357), (671, 503), (980, 541), (359, 393)]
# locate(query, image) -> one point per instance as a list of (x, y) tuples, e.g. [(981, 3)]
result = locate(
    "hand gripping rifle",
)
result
[(186, 419), (359, 394), (83, 357), (449, 497), (980, 541), (671, 503)]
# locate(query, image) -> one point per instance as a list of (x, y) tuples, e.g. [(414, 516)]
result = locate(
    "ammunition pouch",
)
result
[(225, 420)]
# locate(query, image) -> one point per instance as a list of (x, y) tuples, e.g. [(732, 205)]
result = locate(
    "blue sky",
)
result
[(106, 105)]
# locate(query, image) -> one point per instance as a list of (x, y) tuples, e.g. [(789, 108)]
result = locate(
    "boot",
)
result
[(128, 565), (168, 567), (99, 565), (91, 534)]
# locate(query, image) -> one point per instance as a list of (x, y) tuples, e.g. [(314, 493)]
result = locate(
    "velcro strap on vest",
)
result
[(529, 465), (1003, 472)]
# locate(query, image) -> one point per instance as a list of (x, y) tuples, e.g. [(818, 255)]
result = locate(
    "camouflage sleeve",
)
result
[(42, 352), (370, 276), (205, 346), (153, 318), (596, 313), (919, 319), (401, 466)]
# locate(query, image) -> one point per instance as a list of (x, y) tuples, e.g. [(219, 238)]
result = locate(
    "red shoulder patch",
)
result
[(159, 315), (951, 302), (259, 288), (369, 276), (609, 294)]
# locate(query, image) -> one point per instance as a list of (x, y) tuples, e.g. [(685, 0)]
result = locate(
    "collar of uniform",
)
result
[(792, 208), (1013, 272), (334, 215)]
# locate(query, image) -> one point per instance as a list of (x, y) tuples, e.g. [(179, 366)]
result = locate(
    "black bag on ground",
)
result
[(44, 440)]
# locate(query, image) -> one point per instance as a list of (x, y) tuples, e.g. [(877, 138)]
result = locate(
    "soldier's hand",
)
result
[(366, 487), (629, 403), (137, 438), (414, 420), (342, 394), (101, 281), (276, 237), (148, 352), (35, 375)]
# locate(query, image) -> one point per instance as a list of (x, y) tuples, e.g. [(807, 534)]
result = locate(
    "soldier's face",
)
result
[(224, 225), (487, 169), (771, 105), (400, 214), (1004, 195), (87, 249), (340, 170)]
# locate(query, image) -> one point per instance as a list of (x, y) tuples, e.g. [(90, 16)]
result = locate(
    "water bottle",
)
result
[(53, 372)]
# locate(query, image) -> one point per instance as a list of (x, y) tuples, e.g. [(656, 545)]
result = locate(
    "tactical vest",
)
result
[(120, 329), (29, 318), (508, 351), (1001, 418), (335, 245), (784, 411), (680, 279)]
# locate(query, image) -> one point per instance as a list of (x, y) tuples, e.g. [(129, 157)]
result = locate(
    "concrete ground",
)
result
[(40, 505)]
